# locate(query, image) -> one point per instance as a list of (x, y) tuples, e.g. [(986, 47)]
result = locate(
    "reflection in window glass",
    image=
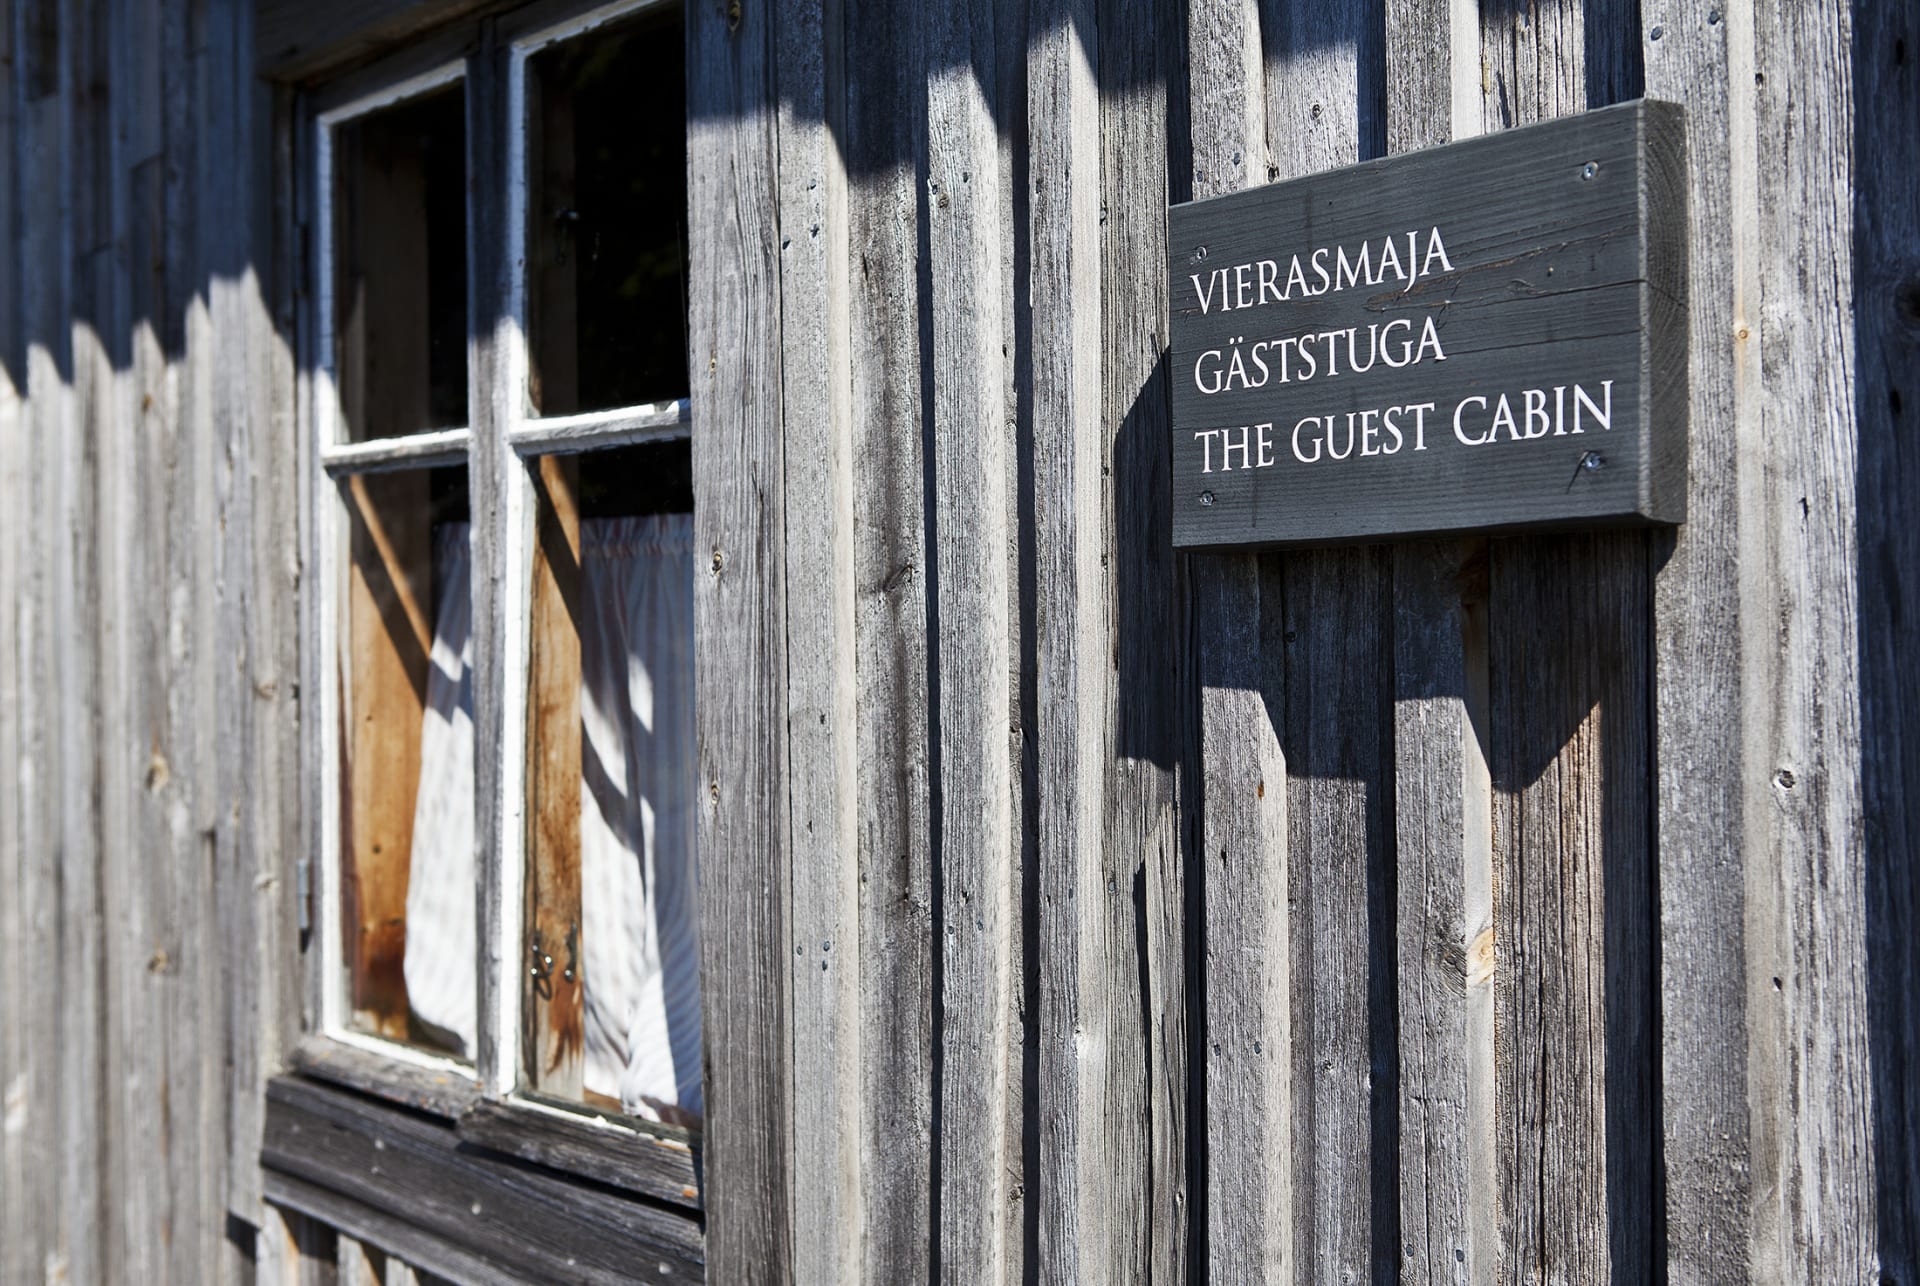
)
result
[(606, 213), (405, 674), (400, 267), (613, 899)]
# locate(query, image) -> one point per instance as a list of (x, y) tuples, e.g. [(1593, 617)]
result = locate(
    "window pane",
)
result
[(406, 772), (606, 209), (400, 267), (613, 899)]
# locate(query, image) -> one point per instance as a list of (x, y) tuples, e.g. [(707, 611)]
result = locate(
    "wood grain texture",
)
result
[(1249, 1126), (1886, 314), (824, 1150), (1808, 723), (1148, 809), (885, 109), (556, 1000), (1553, 303), (656, 1162), (1091, 1111), (1705, 802), (1570, 759), (970, 441), (516, 1218), (383, 669), (1327, 636), (740, 641), (1442, 805)]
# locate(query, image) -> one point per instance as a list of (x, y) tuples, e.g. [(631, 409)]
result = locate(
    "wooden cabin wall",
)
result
[(1442, 911), (148, 563), (1526, 908)]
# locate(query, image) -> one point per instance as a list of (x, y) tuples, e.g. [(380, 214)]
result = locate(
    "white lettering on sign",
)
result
[(1479, 420), (1257, 282), (1316, 355)]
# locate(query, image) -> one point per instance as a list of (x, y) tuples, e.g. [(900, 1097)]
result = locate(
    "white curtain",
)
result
[(639, 891), (440, 959), (639, 939)]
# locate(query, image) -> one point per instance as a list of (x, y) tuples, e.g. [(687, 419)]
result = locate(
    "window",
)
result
[(549, 954)]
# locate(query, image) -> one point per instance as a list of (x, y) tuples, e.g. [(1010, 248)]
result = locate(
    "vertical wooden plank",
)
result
[(1247, 956), (824, 1153), (17, 1238), (139, 787), (1570, 759), (1138, 70), (1333, 637), (1705, 810), (1443, 829), (555, 1007), (357, 1264), (740, 640), (88, 1241), (1095, 1141), (1886, 292), (971, 659), (885, 108), (1821, 1224)]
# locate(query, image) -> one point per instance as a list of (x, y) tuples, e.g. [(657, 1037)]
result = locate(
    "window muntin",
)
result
[(391, 523), (618, 437), (599, 536)]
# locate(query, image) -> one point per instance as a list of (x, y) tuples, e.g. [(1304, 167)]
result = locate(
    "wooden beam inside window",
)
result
[(389, 638), (556, 1036)]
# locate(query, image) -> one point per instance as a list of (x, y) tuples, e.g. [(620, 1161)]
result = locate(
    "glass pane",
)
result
[(400, 267), (606, 214), (406, 770), (613, 908)]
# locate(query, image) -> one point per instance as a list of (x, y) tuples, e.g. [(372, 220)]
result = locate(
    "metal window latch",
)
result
[(541, 967), (542, 970)]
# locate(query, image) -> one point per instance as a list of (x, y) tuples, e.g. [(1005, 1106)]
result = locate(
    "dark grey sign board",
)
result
[(1487, 336)]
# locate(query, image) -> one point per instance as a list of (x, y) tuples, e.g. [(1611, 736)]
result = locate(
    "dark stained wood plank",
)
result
[(816, 337), (1886, 292), (885, 129), (1536, 367), (740, 640)]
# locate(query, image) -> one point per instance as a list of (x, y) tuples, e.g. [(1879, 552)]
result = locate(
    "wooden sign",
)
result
[(1487, 336)]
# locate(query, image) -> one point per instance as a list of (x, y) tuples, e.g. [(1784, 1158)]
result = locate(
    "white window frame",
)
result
[(495, 1073), (334, 458), (527, 437)]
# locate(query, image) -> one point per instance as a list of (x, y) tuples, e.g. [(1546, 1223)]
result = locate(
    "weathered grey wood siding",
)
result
[(1530, 908), (148, 677)]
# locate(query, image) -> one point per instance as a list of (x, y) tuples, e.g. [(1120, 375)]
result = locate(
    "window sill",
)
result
[(425, 1189)]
